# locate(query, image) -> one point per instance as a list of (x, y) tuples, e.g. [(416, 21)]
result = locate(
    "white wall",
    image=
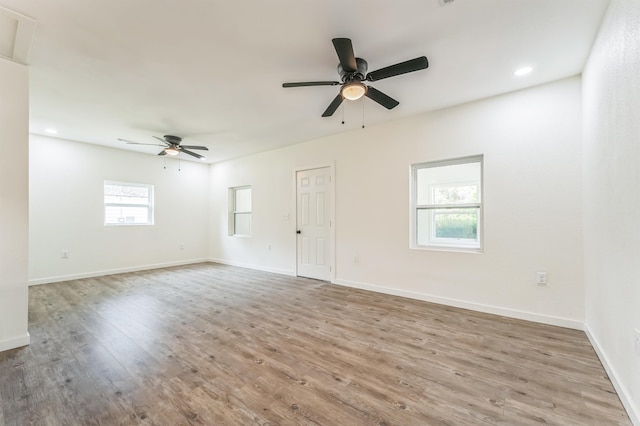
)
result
[(532, 194), (66, 212), (14, 207), (612, 197)]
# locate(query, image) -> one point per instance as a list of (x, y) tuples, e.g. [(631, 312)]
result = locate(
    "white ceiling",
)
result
[(211, 71)]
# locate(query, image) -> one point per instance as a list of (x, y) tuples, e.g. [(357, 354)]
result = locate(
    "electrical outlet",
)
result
[(181, 246), (65, 254), (541, 278), (636, 339), (356, 259)]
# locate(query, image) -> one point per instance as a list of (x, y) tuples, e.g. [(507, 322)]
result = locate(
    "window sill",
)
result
[(472, 250), (110, 225)]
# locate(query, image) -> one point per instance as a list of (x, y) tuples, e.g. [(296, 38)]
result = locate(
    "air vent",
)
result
[(16, 35)]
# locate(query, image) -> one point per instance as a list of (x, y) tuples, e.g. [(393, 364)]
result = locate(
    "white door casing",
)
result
[(313, 223)]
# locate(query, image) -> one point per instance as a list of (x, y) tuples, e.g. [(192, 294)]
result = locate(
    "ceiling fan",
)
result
[(171, 145), (353, 71)]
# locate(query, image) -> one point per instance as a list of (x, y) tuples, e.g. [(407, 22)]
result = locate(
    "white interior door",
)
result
[(314, 223)]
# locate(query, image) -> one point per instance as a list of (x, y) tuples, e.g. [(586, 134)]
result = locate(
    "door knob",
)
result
[(298, 232)]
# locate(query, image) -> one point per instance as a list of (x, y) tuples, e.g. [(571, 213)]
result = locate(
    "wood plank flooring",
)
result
[(209, 344)]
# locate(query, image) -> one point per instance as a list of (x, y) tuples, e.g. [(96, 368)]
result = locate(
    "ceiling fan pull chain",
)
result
[(343, 113), (164, 162), (363, 112)]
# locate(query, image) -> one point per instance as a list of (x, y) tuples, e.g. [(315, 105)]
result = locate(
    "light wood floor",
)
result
[(219, 345)]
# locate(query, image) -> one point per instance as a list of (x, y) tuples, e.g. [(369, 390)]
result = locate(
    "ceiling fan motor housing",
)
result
[(175, 140), (359, 74)]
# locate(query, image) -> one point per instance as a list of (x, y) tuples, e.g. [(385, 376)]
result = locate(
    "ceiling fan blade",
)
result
[(344, 49), (193, 154), (400, 68), (379, 97), (163, 141), (163, 152), (138, 143), (194, 147), (333, 106), (311, 83), (128, 142)]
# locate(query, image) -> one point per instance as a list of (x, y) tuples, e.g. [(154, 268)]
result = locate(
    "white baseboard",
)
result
[(70, 277), (255, 267), (511, 313), (15, 342), (633, 410)]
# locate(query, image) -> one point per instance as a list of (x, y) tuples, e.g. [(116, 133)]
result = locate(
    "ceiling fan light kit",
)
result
[(353, 72), (353, 90)]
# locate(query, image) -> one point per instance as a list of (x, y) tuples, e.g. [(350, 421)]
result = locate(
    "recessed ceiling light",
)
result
[(51, 131), (522, 71)]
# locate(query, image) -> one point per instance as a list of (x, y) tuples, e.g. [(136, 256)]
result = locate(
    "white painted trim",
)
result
[(633, 410), (15, 342), (70, 277), (262, 268), (496, 310)]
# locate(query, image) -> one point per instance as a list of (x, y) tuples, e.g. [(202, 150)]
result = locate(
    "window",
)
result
[(446, 204), (128, 203), (240, 211)]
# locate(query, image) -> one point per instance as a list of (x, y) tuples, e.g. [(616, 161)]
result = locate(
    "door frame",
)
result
[(332, 214)]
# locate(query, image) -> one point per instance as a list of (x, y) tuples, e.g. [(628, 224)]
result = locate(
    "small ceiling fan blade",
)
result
[(163, 152), (379, 97), (128, 142), (193, 154), (333, 106), (138, 143), (311, 83), (398, 69), (163, 141), (194, 147), (344, 49)]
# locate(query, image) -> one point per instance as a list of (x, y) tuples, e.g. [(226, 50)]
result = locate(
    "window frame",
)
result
[(444, 243), (149, 205), (234, 212)]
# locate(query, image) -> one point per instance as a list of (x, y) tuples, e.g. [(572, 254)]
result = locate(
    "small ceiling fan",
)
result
[(353, 71), (171, 145)]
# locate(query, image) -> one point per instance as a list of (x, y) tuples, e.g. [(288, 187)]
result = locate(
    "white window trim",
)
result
[(450, 244), (149, 205), (233, 212)]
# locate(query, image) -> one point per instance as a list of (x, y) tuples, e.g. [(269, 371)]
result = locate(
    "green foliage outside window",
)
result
[(457, 225)]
